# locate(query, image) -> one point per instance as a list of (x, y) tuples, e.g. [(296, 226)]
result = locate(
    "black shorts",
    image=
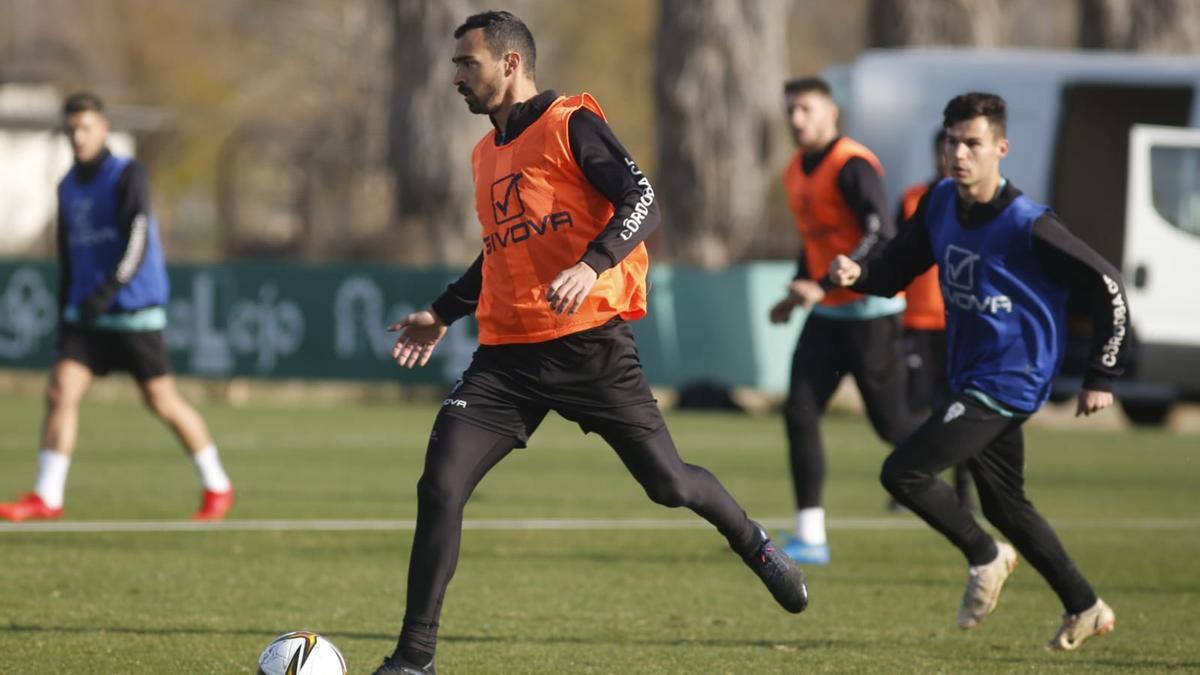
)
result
[(142, 354), (593, 378)]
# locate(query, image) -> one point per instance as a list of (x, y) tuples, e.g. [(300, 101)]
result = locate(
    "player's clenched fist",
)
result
[(843, 271), (1091, 401)]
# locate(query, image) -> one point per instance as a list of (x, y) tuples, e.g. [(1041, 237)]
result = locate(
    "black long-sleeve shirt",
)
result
[(862, 188), (133, 209), (1063, 257), (606, 165)]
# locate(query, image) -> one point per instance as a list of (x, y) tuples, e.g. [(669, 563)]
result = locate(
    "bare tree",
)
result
[(895, 23), (1143, 25), (432, 132), (305, 172), (721, 142)]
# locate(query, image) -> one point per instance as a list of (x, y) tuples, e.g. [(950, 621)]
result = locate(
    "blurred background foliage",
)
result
[(328, 129)]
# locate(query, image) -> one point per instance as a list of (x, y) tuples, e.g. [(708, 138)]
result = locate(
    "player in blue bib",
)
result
[(112, 294), (1007, 266)]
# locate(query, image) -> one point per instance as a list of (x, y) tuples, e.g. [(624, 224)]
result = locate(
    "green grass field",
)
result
[(568, 601)]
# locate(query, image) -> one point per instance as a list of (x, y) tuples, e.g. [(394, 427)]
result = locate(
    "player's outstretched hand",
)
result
[(419, 334), (843, 271), (1091, 401), (571, 287)]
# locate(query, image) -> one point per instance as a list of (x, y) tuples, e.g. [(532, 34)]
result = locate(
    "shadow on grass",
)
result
[(515, 552), (1134, 589), (167, 631), (621, 641), (1084, 664), (865, 581)]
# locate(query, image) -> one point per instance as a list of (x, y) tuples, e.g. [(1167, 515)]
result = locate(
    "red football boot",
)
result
[(29, 507), (215, 505)]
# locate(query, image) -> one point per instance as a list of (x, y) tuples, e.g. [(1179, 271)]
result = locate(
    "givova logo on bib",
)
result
[(506, 199), (958, 283), (507, 206), (82, 229)]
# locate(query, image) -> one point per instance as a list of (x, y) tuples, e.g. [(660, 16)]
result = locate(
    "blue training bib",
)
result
[(95, 242), (1005, 319)]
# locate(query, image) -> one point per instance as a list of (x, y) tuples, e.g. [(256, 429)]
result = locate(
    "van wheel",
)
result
[(1147, 413)]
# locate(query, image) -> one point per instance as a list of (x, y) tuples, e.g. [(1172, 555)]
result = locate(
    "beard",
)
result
[(478, 104)]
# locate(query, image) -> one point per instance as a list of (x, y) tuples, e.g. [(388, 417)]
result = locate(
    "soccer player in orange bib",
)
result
[(564, 212), (835, 190)]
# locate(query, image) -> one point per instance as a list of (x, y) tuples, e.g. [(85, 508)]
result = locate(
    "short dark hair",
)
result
[(804, 85), (504, 33), (939, 139), (82, 101), (977, 104)]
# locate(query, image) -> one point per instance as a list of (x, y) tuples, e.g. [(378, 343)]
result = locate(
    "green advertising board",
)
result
[(259, 320), (288, 320)]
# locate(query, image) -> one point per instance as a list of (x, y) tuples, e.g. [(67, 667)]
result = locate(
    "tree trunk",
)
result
[(1140, 25), (897, 23), (432, 134), (720, 65)]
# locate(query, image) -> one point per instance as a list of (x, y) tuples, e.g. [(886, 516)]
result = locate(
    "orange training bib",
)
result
[(925, 310), (827, 225), (539, 212)]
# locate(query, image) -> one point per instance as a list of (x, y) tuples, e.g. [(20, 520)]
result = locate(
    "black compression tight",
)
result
[(458, 457)]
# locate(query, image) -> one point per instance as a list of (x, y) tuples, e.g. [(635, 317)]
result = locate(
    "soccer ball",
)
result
[(301, 653)]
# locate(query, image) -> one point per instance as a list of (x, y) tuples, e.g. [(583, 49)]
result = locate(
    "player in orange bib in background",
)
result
[(925, 325), (564, 212), (835, 189)]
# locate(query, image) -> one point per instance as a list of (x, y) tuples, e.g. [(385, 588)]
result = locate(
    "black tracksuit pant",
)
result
[(928, 388), (870, 349), (993, 446)]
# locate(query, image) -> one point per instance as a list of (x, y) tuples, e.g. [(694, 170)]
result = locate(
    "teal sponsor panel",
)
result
[(28, 313), (712, 326), (276, 320), (288, 320), (766, 284)]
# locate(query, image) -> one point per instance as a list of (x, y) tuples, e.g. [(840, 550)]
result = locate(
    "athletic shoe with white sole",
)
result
[(983, 586), (1077, 628)]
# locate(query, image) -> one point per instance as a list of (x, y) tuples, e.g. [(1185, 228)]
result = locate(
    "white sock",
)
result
[(810, 525), (52, 477), (212, 474)]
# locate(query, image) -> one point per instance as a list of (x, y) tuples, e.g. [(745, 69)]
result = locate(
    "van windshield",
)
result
[(1175, 177)]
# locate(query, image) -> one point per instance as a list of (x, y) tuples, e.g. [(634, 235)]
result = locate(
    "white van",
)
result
[(1110, 140)]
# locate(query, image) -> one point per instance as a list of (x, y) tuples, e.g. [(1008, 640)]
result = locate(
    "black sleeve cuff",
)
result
[(860, 283), (1097, 381), (597, 260), (450, 308)]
